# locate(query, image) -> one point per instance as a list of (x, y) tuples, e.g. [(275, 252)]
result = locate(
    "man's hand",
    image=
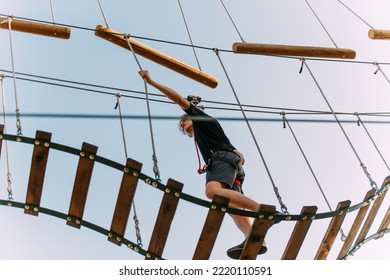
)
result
[(145, 75)]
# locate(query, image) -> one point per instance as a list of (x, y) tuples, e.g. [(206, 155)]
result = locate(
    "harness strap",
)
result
[(201, 169)]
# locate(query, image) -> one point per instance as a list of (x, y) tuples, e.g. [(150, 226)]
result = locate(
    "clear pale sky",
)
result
[(349, 86)]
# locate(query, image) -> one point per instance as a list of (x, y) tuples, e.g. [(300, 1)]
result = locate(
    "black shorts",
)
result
[(225, 168)]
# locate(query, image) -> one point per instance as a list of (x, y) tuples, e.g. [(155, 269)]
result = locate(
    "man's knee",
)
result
[(212, 189)]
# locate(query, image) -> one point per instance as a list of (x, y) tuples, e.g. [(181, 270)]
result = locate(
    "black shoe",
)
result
[(235, 252)]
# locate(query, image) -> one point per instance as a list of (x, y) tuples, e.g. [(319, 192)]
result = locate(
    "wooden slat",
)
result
[(156, 56), (124, 201), (210, 229), (385, 224), (299, 51), (257, 234), (81, 184), (370, 218), (332, 231), (355, 226), (37, 172), (50, 30), (164, 219), (377, 34), (299, 233)]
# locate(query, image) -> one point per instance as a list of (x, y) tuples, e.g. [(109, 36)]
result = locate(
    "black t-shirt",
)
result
[(208, 133)]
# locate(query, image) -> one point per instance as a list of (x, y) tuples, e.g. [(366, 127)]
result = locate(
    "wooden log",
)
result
[(257, 234), (81, 185), (211, 228), (299, 233), (165, 216), (124, 201), (355, 226), (370, 218), (300, 51), (156, 56), (376, 34), (49, 30), (332, 231), (37, 172)]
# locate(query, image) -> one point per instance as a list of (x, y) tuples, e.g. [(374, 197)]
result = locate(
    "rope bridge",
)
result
[(218, 207)]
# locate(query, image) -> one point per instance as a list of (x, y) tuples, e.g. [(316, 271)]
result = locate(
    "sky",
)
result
[(262, 81)]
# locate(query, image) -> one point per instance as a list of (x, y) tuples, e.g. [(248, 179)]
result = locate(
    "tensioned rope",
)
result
[(359, 17), (118, 106), (154, 156), (101, 89), (18, 121), (232, 21), (102, 11), (379, 69), (189, 34), (372, 182), (9, 182), (202, 47), (323, 26), (135, 216), (286, 122), (52, 12), (360, 122), (276, 190)]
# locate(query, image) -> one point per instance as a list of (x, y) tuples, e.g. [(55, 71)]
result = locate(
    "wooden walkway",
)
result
[(366, 212)]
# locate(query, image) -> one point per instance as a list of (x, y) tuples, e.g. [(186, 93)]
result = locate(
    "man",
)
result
[(224, 172)]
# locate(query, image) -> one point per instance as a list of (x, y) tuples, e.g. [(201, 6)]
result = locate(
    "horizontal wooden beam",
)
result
[(376, 34), (49, 30), (156, 56), (300, 51)]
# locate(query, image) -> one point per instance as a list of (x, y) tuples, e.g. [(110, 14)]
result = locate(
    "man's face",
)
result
[(186, 125)]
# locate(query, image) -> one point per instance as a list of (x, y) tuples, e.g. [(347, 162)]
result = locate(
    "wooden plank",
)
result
[(124, 201), (49, 30), (81, 184), (356, 225), (156, 56), (370, 218), (299, 233), (37, 172), (211, 228), (257, 234), (300, 51), (165, 216), (377, 34), (332, 231), (385, 224)]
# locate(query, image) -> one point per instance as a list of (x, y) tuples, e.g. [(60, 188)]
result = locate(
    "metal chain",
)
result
[(135, 216), (17, 111), (286, 122), (365, 170), (9, 182)]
